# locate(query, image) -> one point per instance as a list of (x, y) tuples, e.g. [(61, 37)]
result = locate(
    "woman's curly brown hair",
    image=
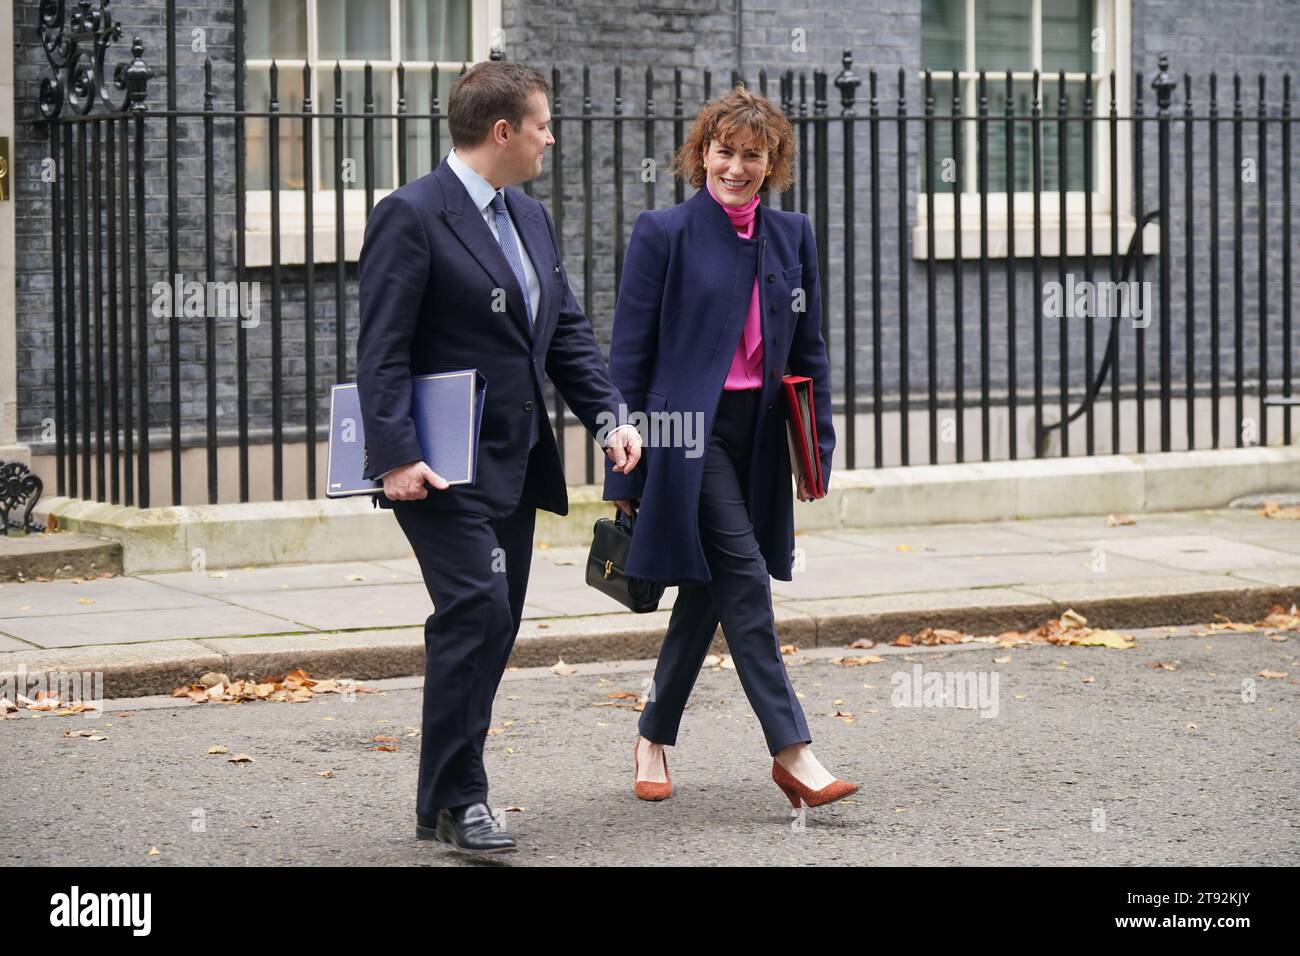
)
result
[(748, 114)]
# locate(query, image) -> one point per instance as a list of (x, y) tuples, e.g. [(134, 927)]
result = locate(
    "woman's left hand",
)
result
[(803, 492)]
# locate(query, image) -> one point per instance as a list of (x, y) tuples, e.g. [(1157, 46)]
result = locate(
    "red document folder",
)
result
[(801, 429)]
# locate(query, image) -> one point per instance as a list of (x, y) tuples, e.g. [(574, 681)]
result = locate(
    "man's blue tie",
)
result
[(511, 250)]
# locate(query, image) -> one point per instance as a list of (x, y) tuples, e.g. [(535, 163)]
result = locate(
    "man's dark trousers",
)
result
[(476, 570)]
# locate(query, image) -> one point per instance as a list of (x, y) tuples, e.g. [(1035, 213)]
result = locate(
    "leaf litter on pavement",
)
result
[(295, 687)]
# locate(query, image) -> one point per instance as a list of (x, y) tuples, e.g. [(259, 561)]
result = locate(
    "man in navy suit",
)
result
[(459, 269)]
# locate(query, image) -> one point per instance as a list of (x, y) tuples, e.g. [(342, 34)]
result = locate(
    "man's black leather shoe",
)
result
[(473, 829)]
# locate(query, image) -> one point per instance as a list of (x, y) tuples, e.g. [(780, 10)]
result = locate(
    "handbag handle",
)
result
[(624, 519)]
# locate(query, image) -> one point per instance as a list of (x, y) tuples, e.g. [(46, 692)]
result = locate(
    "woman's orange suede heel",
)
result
[(796, 791), (650, 789)]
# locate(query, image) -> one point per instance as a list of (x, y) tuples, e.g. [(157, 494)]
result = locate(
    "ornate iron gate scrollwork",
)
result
[(18, 484)]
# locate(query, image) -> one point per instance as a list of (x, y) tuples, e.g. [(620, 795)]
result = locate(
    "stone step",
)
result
[(60, 554)]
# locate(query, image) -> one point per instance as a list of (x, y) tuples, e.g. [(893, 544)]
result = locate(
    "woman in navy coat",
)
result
[(719, 296)]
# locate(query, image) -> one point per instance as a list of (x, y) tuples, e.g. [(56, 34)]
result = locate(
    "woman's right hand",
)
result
[(628, 507)]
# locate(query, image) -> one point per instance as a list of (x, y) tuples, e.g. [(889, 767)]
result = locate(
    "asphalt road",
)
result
[(1138, 766)]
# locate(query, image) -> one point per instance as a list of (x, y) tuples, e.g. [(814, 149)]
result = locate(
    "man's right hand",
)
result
[(628, 507), (406, 482)]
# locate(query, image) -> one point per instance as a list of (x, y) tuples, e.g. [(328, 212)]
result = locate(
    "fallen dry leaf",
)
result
[(1271, 509), (1117, 521), (219, 749), (1226, 624), (1072, 618), (1069, 629), (931, 637), (241, 758), (857, 660), (562, 669), (296, 687), (1272, 675)]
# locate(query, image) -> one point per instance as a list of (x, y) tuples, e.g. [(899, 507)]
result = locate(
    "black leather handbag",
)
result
[(608, 557)]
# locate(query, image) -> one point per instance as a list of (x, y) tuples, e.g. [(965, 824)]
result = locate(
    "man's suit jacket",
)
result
[(430, 270)]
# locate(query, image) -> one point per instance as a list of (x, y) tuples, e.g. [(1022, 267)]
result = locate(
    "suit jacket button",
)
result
[(528, 406), (771, 277)]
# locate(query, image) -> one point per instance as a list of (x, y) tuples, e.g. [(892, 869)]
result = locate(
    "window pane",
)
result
[(353, 29), (436, 30), (354, 130), (419, 139), (1024, 142), (276, 28), (943, 34), (1022, 102), (1073, 138), (258, 136), (1067, 35), (1003, 35)]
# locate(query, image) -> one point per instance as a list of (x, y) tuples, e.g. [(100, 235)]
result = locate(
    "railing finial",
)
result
[(1164, 85), (847, 82)]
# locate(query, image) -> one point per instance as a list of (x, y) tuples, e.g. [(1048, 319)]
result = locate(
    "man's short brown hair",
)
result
[(490, 91), (728, 117)]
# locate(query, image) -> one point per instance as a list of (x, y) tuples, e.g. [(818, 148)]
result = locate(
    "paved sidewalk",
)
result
[(150, 632)]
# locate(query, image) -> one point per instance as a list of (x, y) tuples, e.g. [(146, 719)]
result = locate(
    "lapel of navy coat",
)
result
[(430, 280), (685, 291)]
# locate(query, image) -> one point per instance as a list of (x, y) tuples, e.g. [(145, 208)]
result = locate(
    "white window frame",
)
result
[(485, 26), (1113, 17)]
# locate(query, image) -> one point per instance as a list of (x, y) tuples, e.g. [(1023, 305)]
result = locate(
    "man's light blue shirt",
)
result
[(481, 193)]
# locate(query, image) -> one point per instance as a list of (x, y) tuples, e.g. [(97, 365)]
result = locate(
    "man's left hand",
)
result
[(624, 449)]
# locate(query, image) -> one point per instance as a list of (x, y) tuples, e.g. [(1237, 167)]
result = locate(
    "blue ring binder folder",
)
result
[(447, 411)]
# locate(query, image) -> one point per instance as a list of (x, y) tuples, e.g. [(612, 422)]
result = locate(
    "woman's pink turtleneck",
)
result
[(747, 364)]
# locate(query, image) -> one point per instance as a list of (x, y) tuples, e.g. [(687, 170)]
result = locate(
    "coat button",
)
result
[(771, 277), (773, 307), (528, 406)]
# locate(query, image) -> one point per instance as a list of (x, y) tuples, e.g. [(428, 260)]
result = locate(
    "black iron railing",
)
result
[(1087, 156)]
